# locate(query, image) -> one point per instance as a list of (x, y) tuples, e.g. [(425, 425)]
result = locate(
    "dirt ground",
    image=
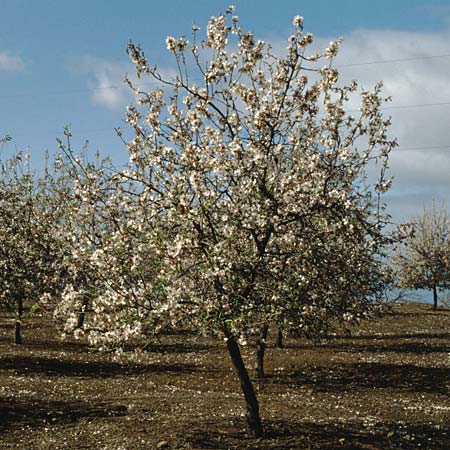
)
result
[(386, 386)]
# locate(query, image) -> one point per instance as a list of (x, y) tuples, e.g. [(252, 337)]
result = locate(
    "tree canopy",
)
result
[(249, 199), (423, 261)]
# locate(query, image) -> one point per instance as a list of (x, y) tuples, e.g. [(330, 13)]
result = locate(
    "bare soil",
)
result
[(386, 386)]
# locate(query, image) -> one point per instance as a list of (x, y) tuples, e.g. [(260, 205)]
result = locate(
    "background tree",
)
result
[(31, 263), (110, 260), (79, 186), (423, 261)]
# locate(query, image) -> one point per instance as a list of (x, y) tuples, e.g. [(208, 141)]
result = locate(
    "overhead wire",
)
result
[(386, 61), (153, 82), (149, 83)]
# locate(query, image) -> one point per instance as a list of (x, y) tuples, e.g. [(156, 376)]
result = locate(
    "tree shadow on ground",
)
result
[(26, 365), (396, 336), (41, 413), (439, 313), (182, 347), (380, 346), (56, 344), (312, 435), (417, 343), (344, 377)]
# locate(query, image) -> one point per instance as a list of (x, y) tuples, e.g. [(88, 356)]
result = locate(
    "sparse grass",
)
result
[(386, 386)]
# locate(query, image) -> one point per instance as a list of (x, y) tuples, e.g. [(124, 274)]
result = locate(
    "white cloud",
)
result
[(106, 81), (10, 62), (421, 172)]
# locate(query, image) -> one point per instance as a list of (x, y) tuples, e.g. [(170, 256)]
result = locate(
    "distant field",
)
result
[(423, 296), (386, 386)]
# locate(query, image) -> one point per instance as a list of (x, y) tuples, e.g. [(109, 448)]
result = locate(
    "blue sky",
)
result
[(58, 59)]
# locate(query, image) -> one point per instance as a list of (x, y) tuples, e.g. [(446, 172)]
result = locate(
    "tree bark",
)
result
[(254, 424), (280, 338), (435, 297), (261, 350), (17, 331), (82, 314)]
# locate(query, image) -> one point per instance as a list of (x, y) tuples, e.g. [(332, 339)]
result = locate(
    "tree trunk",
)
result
[(280, 338), (435, 297), (17, 333), (254, 424), (261, 350), (82, 314)]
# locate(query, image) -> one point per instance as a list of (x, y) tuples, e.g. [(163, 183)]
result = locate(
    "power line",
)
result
[(417, 105), (155, 82), (429, 147), (60, 132), (78, 91), (386, 61)]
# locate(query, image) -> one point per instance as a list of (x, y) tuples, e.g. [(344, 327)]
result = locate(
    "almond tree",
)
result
[(423, 261), (31, 263), (81, 187), (246, 195), (110, 291), (119, 295)]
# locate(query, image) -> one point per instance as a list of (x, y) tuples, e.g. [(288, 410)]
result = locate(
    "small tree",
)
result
[(423, 261), (109, 252), (80, 186), (30, 258)]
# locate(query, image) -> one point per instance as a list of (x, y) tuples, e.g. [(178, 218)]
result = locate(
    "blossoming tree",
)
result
[(249, 193), (31, 263), (423, 261), (110, 291)]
